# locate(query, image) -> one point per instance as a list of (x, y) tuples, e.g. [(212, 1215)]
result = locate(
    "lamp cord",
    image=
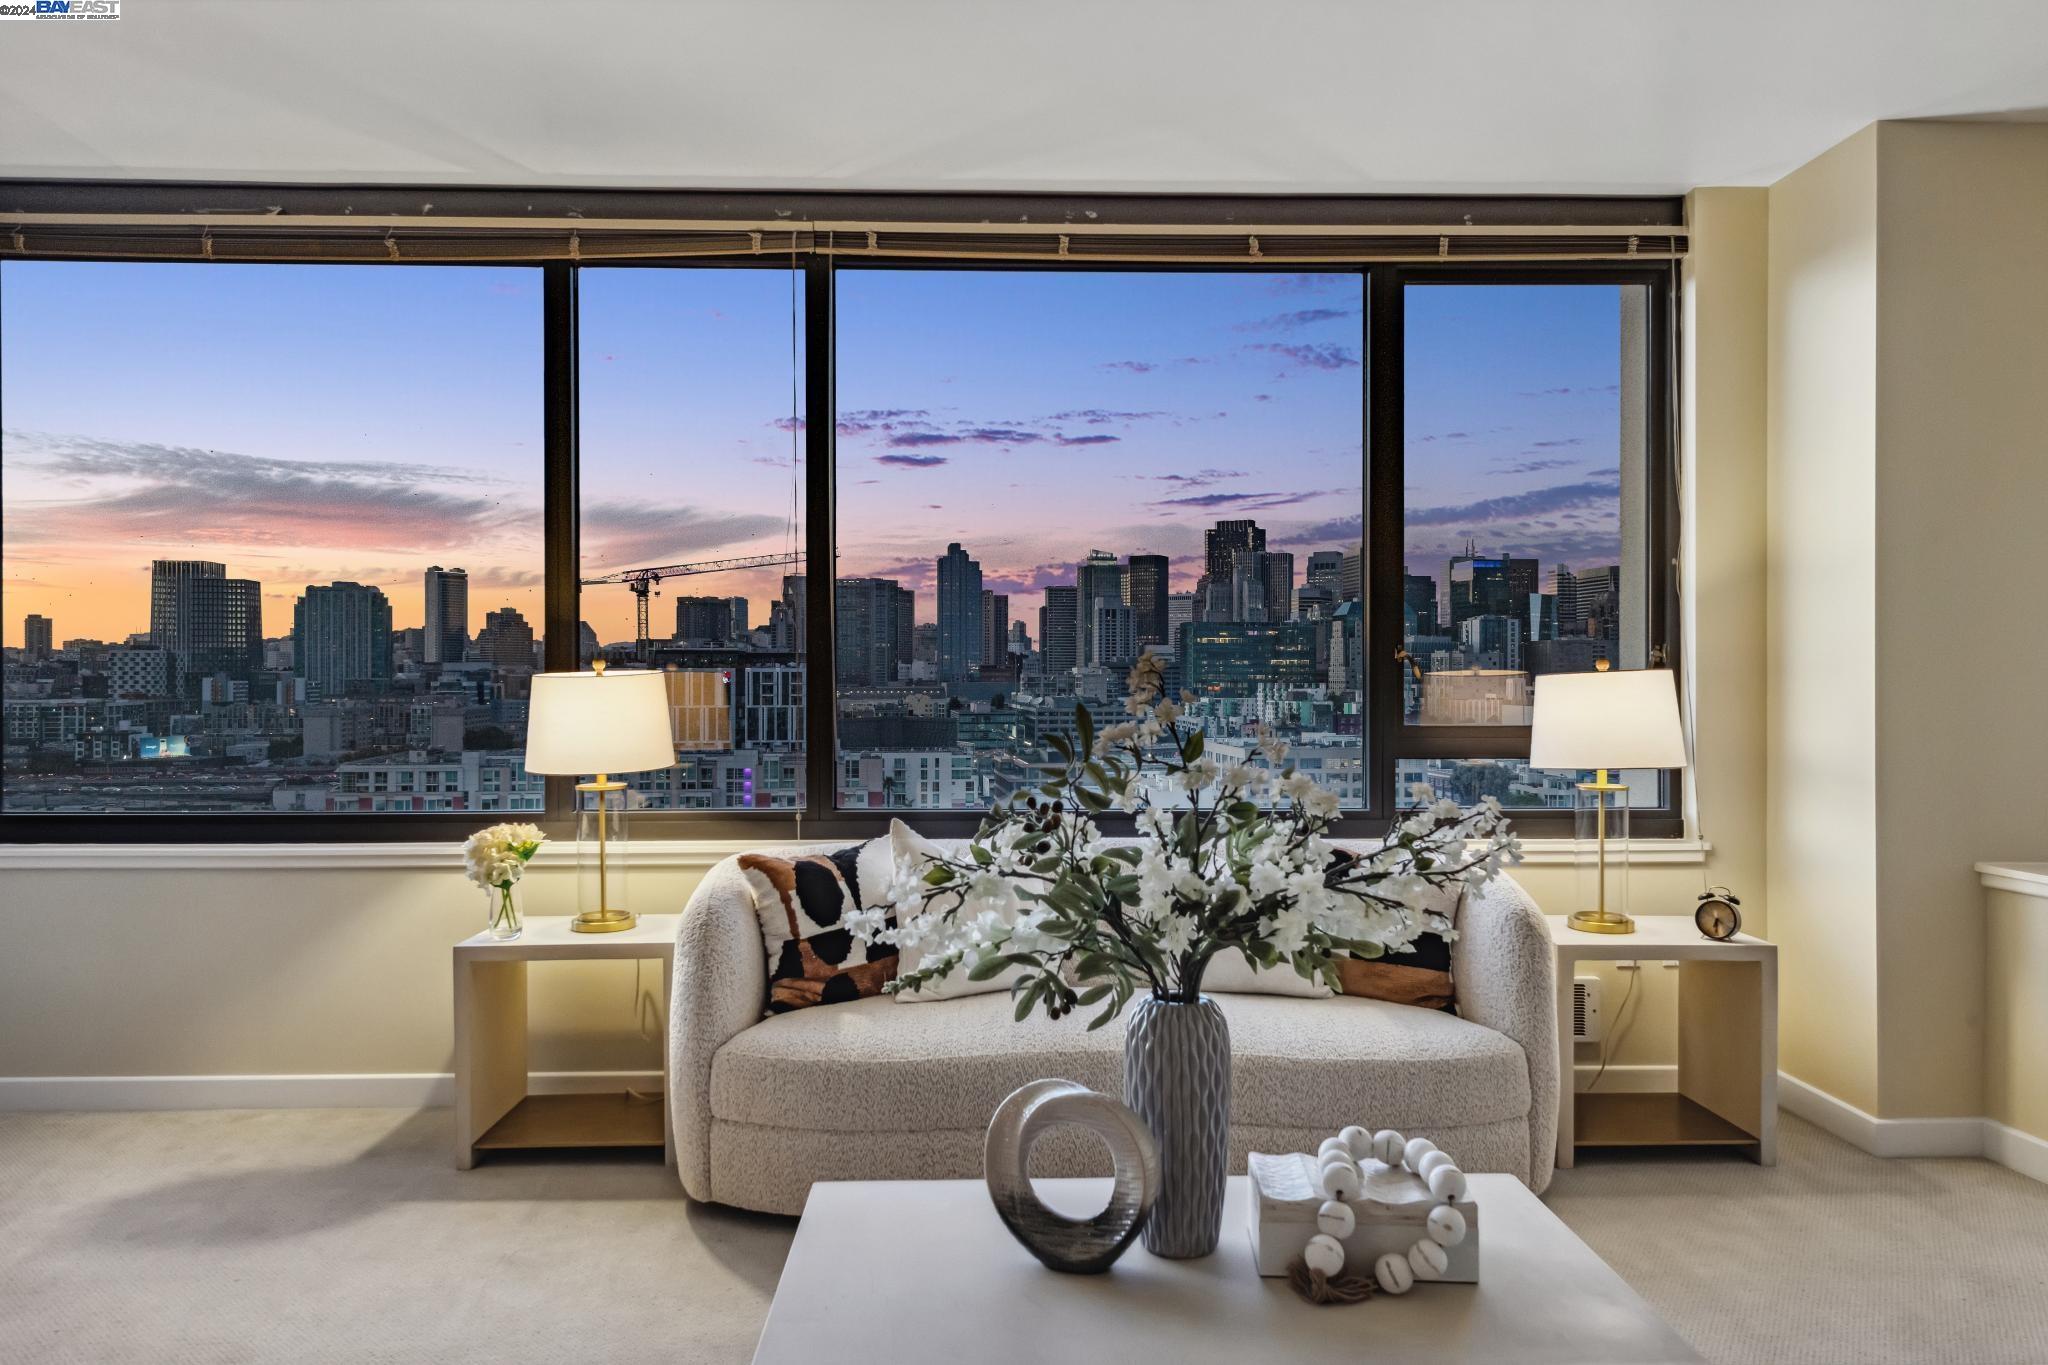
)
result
[(1621, 1023)]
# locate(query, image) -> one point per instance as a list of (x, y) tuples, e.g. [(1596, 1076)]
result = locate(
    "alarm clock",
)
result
[(1718, 916)]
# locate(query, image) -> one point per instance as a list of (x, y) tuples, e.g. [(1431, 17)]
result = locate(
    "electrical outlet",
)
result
[(1627, 965)]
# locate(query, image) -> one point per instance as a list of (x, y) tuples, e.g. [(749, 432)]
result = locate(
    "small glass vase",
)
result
[(503, 917), (1177, 1079)]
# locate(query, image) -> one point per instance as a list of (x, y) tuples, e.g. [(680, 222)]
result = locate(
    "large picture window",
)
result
[(284, 541), (272, 537), (1043, 476)]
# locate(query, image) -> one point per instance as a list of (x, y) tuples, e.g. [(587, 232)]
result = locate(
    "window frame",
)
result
[(1382, 375)]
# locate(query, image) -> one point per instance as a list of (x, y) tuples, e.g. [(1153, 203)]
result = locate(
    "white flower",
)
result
[(1166, 713), (1177, 935), (1243, 777), (1320, 804), (1199, 774)]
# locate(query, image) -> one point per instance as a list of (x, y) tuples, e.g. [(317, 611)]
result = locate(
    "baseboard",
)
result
[(1983, 1137), (421, 1090), (1627, 1080)]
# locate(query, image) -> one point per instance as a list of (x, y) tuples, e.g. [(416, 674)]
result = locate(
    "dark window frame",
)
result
[(1386, 738)]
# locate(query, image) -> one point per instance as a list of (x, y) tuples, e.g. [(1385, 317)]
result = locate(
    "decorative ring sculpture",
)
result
[(1075, 1246)]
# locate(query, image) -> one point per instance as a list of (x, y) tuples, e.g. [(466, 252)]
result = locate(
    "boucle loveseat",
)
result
[(875, 1089)]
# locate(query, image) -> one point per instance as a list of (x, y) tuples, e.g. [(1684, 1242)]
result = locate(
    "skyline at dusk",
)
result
[(311, 424)]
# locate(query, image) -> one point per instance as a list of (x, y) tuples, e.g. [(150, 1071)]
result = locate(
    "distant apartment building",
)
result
[(36, 635), (959, 613), (447, 629), (341, 639), (506, 641), (211, 623), (1145, 593)]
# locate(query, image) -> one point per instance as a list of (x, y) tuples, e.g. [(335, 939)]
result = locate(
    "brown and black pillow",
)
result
[(813, 958), (1421, 976)]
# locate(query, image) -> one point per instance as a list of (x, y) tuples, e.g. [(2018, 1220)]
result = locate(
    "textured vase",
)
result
[(1080, 1246), (1177, 1079)]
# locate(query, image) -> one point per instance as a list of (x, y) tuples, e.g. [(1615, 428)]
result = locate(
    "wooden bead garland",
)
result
[(1318, 1274)]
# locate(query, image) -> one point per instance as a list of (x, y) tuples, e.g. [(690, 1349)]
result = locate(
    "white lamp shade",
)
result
[(1607, 720), (598, 723)]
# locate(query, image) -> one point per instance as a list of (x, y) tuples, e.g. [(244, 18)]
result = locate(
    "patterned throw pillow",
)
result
[(813, 959), (1421, 976)]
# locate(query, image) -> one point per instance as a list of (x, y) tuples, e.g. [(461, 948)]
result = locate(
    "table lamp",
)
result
[(603, 724), (1605, 721)]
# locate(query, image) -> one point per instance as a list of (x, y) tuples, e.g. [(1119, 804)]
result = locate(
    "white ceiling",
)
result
[(1257, 96)]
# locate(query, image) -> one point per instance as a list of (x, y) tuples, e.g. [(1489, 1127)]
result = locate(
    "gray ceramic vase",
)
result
[(1177, 1079), (1081, 1246)]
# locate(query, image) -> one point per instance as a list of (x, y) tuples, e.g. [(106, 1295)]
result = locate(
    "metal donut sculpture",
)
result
[(1074, 1246)]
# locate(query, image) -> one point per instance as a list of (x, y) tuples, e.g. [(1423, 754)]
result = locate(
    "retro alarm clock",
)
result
[(1718, 915)]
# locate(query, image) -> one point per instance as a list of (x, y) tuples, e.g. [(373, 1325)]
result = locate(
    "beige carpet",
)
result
[(347, 1235)]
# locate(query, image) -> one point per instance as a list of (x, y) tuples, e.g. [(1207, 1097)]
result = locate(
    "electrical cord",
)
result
[(1622, 1020)]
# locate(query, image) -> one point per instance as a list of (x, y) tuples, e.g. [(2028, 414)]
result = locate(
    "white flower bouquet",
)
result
[(1243, 865), (496, 859)]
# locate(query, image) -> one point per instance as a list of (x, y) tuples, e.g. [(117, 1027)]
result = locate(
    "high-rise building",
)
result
[(341, 639), (738, 609), (1326, 570), (447, 638), (906, 630), (1098, 579), (1145, 583), (1418, 597), (793, 602), (870, 617), (1180, 610), (1351, 577), (1222, 542), (506, 641), (959, 613), (36, 634), (1059, 630), (211, 623), (1564, 588), (1599, 603), (704, 620), (138, 671), (1112, 636), (1261, 586), (1279, 576), (1234, 658), (1020, 638), (1483, 585), (995, 628)]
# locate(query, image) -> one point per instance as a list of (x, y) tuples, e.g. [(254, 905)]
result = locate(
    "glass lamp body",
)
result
[(1600, 849), (602, 832)]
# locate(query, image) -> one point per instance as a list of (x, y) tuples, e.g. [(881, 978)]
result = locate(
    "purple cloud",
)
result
[(1319, 355), (1134, 366), (924, 438), (911, 461), (1097, 440), (1300, 317), (1241, 501), (1535, 503)]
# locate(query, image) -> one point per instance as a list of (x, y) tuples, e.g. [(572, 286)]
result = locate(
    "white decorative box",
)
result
[(1392, 1210)]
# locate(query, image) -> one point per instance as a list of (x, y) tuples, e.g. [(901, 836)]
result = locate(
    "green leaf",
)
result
[(938, 874), (1192, 748), (1058, 744), (982, 857), (1084, 727)]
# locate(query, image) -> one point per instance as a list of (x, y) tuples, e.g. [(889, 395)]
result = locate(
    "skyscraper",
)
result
[(36, 635), (1222, 542), (1279, 576), (1112, 641), (211, 623), (1418, 596), (1145, 581), (995, 628), (1059, 634), (959, 613), (341, 639), (1326, 570), (704, 620), (794, 601), (870, 617), (1098, 579), (1488, 586), (506, 641), (447, 640)]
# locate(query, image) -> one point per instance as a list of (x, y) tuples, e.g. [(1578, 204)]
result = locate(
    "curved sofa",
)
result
[(877, 1090)]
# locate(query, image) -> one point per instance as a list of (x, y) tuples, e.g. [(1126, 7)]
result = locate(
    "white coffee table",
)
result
[(921, 1272)]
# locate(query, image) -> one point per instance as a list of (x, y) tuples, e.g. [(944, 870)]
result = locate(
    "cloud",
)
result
[(1096, 417), (1567, 390), (1340, 531), (1134, 366), (1300, 317), (911, 461), (1535, 503), (1244, 502), (1097, 440), (1559, 443), (1200, 479), (627, 535), (1318, 355), (142, 493), (1441, 436), (913, 439), (1535, 466)]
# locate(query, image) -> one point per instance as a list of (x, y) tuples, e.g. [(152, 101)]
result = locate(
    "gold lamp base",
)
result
[(1601, 922), (603, 921)]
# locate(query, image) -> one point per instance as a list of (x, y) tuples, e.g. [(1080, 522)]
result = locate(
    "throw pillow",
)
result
[(813, 959), (904, 842), (1421, 976), (1230, 972)]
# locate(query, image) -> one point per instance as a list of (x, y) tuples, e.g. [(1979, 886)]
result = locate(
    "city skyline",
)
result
[(1128, 410)]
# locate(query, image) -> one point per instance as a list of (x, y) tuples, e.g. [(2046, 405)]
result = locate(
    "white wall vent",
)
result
[(1586, 1026)]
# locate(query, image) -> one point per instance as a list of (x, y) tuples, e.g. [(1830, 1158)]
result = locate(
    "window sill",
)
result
[(2022, 879), (685, 855)]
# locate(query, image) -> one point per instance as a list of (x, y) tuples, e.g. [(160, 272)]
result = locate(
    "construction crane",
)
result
[(642, 581)]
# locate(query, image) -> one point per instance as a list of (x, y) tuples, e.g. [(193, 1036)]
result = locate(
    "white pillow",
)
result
[(1230, 973), (904, 842)]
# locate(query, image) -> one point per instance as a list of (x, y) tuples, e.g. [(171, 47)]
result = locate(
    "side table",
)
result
[(1727, 1092), (493, 1110)]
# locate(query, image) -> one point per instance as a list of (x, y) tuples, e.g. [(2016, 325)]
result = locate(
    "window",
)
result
[(286, 540), (691, 417), (1044, 474), (272, 537)]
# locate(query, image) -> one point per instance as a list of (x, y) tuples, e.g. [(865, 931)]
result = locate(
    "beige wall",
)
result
[(2016, 1011), (1962, 447), (1821, 609)]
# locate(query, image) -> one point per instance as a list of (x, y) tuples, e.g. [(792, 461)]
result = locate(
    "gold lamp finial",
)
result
[(597, 666)]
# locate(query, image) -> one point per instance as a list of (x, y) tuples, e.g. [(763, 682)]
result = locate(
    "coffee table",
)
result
[(914, 1271)]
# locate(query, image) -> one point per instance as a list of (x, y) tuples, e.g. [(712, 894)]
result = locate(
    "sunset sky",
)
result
[(305, 424)]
